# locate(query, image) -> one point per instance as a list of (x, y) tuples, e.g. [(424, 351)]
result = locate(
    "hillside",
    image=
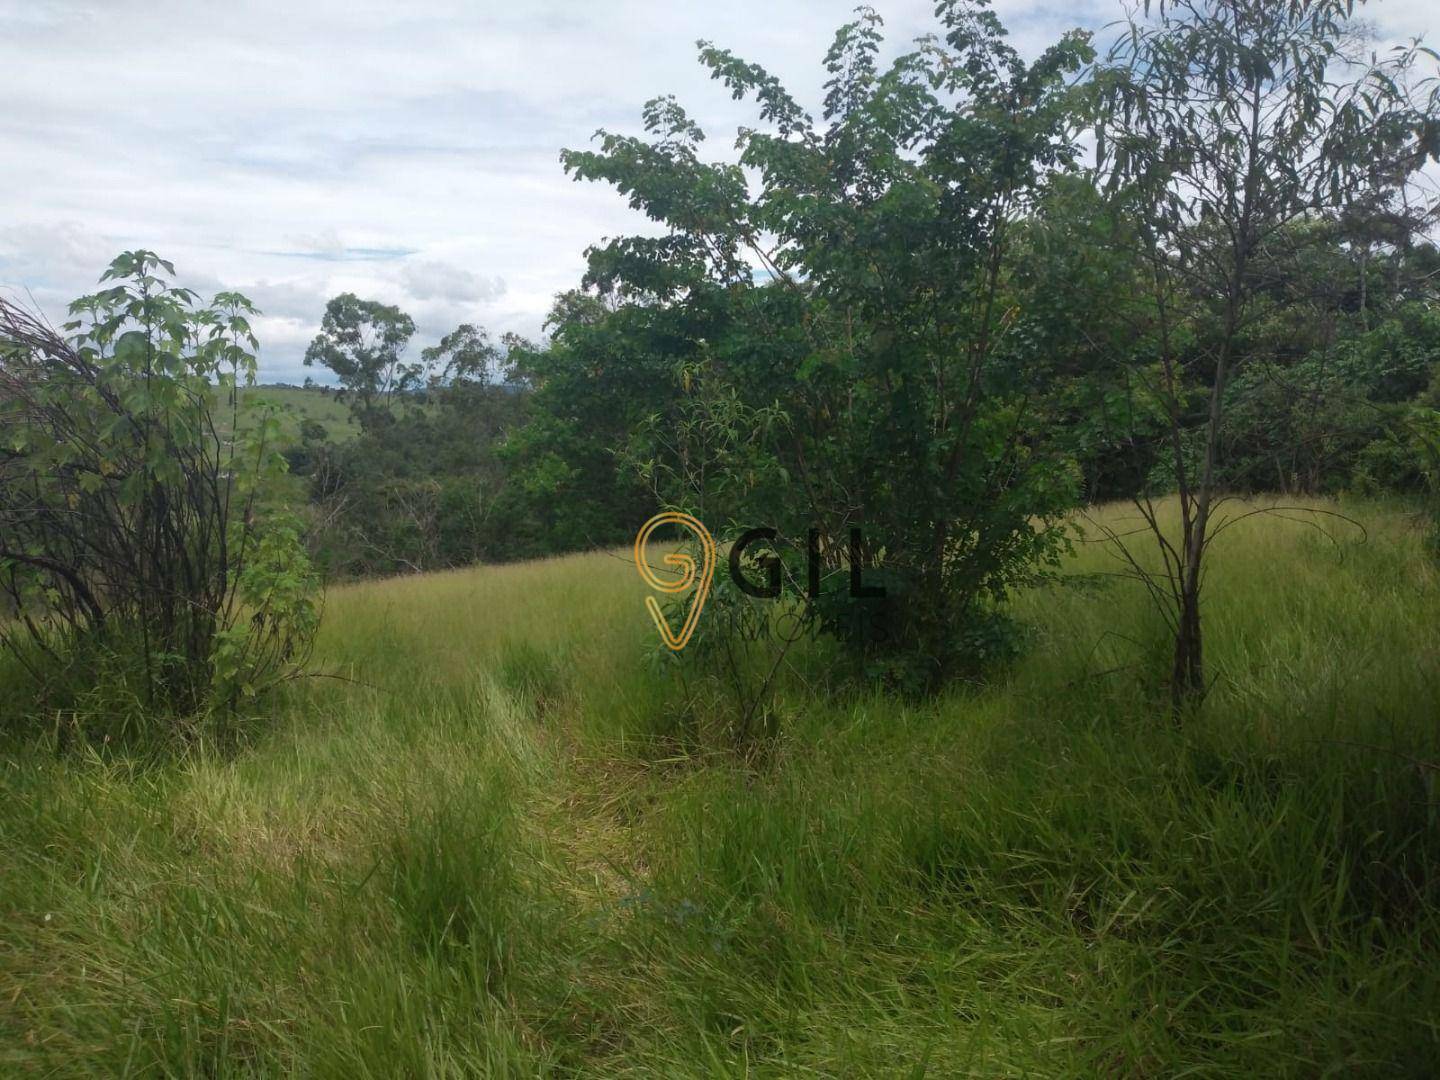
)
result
[(323, 406), (497, 845), (298, 404)]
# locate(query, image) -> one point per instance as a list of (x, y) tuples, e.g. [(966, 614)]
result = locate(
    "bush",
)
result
[(134, 529)]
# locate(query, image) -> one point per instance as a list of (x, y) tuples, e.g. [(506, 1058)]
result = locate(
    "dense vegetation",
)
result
[(140, 549), (1082, 719)]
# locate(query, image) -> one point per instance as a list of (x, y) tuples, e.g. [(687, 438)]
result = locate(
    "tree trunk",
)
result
[(1187, 672)]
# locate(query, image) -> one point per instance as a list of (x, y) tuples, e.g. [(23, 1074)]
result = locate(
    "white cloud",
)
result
[(434, 280)]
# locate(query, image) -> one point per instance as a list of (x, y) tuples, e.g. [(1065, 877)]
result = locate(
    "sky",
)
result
[(407, 152)]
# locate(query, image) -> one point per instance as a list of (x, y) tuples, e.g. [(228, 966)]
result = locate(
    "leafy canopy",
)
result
[(836, 306)]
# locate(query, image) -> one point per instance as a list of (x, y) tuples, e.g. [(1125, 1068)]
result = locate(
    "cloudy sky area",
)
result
[(405, 152)]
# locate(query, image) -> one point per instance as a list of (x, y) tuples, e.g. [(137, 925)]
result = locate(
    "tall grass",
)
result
[(497, 852)]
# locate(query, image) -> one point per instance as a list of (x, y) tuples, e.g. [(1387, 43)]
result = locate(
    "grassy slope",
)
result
[(300, 404), (507, 853)]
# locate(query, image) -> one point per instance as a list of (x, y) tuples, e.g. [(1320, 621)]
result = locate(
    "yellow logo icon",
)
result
[(689, 575)]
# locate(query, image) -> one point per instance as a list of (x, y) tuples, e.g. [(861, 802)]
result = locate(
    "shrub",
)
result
[(134, 523)]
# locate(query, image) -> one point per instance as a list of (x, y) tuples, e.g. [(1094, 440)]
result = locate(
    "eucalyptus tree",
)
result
[(362, 342), (465, 356), (1222, 123), (846, 349)]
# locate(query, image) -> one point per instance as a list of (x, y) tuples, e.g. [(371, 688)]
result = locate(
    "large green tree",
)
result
[(854, 359), (363, 342), (601, 374)]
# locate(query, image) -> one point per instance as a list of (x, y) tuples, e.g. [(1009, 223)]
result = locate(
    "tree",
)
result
[(1223, 122), (135, 533), (465, 355), (840, 317), (423, 489), (601, 374), (361, 341)]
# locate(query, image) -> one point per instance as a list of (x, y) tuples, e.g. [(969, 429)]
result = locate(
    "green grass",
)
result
[(504, 850), (300, 404)]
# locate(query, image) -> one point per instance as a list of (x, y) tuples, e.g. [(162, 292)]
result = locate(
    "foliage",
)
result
[(466, 358), (361, 341), (130, 525), (1222, 126), (815, 328), (425, 488), (849, 317), (601, 374), (1077, 278)]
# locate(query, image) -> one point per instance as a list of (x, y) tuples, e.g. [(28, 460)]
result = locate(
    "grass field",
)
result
[(504, 851), (300, 404)]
